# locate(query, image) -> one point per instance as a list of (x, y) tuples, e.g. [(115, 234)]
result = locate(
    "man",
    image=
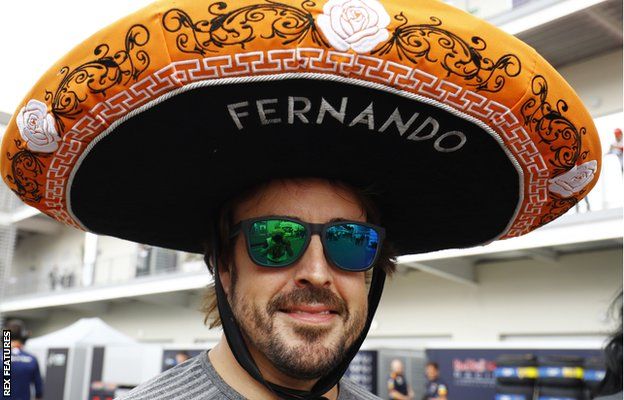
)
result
[(436, 389), (202, 125), (617, 147), (24, 366), (297, 321), (398, 388)]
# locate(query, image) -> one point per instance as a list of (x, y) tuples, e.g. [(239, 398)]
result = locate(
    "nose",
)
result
[(313, 268)]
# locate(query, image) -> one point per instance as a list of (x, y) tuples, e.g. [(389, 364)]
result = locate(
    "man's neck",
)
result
[(235, 376)]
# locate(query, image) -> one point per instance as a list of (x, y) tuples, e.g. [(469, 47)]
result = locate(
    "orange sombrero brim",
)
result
[(161, 116)]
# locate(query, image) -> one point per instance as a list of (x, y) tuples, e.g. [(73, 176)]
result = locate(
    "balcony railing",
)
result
[(107, 272), (9, 202)]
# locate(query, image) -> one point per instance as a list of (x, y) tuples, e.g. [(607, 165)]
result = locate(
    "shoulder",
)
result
[(22, 356), (351, 391), (442, 388), (179, 382)]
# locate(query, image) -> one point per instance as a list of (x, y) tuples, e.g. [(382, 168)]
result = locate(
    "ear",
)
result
[(226, 278)]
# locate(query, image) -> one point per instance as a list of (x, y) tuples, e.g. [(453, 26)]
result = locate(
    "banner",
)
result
[(469, 373)]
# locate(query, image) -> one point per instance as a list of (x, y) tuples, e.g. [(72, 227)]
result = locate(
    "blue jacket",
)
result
[(24, 372)]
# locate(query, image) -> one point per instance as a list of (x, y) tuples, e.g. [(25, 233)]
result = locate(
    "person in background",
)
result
[(65, 278), (617, 147), (436, 389), (181, 356), (54, 277), (398, 388), (24, 366)]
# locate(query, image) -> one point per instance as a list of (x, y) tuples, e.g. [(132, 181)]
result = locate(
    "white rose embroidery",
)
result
[(356, 24), (36, 126), (574, 180)]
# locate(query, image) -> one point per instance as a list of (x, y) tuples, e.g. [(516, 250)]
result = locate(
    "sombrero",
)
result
[(140, 132)]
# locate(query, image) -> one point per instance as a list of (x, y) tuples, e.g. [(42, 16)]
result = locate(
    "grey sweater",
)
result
[(196, 379)]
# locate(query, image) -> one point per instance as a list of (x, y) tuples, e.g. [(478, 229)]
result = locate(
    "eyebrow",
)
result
[(299, 219)]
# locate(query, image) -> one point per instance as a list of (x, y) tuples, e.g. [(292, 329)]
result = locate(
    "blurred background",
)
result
[(106, 314)]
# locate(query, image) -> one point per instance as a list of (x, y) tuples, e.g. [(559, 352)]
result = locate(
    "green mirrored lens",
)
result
[(275, 242), (352, 246)]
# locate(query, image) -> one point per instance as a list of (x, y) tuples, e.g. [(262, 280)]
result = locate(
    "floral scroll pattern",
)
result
[(557, 207), (37, 128), (553, 127), (98, 75), (432, 43), (428, 42), (239, 26), (565, 141), (25, 168)]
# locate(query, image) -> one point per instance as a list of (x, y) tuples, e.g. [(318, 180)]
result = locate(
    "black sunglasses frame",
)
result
[(310, 229)]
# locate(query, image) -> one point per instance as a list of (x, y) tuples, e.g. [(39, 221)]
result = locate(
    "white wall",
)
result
[(482, 8), (598, 82), (519, 299), (36, 255), (116, 260)]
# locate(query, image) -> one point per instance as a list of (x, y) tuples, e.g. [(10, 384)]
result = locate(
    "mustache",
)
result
[(308, 295)]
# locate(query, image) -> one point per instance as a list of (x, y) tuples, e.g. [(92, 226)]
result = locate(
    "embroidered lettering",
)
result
[(365, 117), (236, 115), (326, 107), (435, 126), (299, 108), (438, 143), (395, 118), (263, 112), (299, 113)]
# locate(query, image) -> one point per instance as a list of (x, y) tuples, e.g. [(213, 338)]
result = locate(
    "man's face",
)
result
[(431, 372), (180, 358), (396, 366), (301, 318)]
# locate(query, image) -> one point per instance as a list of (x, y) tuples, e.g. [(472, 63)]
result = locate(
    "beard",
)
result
[(317, 351)]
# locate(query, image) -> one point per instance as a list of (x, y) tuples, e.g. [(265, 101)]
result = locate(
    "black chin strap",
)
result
[(239, 348)]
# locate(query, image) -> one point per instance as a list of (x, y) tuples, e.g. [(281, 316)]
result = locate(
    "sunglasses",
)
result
[(279, 241)]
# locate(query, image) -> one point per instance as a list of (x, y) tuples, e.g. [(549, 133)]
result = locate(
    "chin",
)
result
[(295, 355), (312, 361)]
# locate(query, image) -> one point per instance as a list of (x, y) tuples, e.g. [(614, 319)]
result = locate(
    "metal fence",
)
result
[(7, 244), (9, 202), (107, 272)]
